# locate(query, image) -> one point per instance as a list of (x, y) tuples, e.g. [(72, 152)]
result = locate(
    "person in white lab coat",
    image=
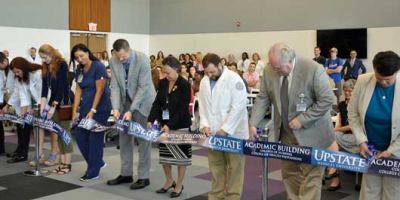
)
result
[(26, 95), (33, 58), (3, 66), (222, 109)]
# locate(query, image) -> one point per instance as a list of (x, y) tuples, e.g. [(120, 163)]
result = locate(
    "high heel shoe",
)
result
[(175, 194), (163, 190)]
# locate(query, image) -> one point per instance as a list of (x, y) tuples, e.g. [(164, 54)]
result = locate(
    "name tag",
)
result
[(80, 78), (301, 107), (165, 114)]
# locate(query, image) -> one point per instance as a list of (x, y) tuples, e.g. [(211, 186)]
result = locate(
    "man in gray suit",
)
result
[(299, 90), (132, 94)]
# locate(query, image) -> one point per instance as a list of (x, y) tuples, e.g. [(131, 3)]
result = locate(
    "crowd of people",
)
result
[(160, 89)]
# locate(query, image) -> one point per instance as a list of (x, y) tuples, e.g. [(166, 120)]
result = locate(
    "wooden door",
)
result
[(79, 14), (97, 43), (101, 14), (77, 38)]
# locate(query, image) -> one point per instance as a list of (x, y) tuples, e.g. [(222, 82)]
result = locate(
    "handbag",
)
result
[(65, 110)]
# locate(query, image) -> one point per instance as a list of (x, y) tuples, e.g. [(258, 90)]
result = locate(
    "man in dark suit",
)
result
[(351, 68), (299, 90)]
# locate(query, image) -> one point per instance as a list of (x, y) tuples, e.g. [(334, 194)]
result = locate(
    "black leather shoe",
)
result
[(17, 159), (163, 190), (175, 194), (139, 184), (120, 179), (10, 155)]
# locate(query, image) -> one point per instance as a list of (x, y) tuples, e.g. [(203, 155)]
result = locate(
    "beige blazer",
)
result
[(358, 106), (310, 80)]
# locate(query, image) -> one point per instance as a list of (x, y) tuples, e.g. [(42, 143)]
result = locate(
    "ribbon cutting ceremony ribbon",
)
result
[(263, 149)]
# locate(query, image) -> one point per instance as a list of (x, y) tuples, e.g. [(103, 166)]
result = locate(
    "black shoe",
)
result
[(139, 184), (330, 176), (120, 179), (175, 194), (163, 190), (87, 178), (17, 159), (11, 155), (334, 188)]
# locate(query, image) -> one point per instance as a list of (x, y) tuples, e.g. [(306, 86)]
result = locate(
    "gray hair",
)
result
[(349, 84), (285, 52)]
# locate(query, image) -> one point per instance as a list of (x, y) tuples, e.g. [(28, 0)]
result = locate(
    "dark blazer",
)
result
[(353, 72), (58, 84), (178, 104)]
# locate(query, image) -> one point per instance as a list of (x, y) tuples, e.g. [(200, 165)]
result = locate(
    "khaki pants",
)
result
[(227, 170), (301, 181), (376, 187)]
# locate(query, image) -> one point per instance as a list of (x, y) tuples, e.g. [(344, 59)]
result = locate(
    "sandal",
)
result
[(65, 169), (58, 169), (32, 163), (51, 160)]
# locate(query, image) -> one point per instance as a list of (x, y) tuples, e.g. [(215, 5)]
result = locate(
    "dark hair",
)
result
[(211, 58), (152, 56), (386, 63), (25, 66), (33, 48), (317, 47), (233, 63), (246, 56), (2, 57), (121, 44), (81, 47), (252, 63), (158, 55), (173, 63)]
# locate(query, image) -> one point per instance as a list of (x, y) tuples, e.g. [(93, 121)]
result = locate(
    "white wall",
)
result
[(19, 40), (303, 42)]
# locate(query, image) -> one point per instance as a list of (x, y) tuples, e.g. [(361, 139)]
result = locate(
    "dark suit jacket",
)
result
[(178, 104), (353, 72)]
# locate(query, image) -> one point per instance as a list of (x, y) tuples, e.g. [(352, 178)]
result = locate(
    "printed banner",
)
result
[(263, 149)]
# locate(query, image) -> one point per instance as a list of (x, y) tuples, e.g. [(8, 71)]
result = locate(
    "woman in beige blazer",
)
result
[(374, 118)]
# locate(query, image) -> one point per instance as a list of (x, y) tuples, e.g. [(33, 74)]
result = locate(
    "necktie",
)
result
[(285, 104)]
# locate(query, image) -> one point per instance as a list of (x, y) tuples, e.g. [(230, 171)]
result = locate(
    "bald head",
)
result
[(281, 58)]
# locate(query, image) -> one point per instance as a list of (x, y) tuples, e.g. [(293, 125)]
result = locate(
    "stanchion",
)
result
[(264, 137), (36, 171)]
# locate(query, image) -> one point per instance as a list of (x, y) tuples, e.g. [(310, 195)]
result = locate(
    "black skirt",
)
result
[(175, 154)]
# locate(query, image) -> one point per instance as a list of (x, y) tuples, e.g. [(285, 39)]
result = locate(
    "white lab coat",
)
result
[(36, 61), (3, 80), (27, 95), (225, 106), (260, 67), (243, 65)]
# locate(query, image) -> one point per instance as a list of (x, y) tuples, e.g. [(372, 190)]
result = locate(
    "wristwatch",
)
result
[(93, 110)]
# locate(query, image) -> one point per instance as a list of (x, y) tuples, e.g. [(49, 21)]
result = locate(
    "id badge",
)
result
[(301, 107), (80, 78), (165, 115)]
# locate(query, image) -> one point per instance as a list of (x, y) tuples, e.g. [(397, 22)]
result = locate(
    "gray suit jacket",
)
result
[(140, 86), (308, 78)]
